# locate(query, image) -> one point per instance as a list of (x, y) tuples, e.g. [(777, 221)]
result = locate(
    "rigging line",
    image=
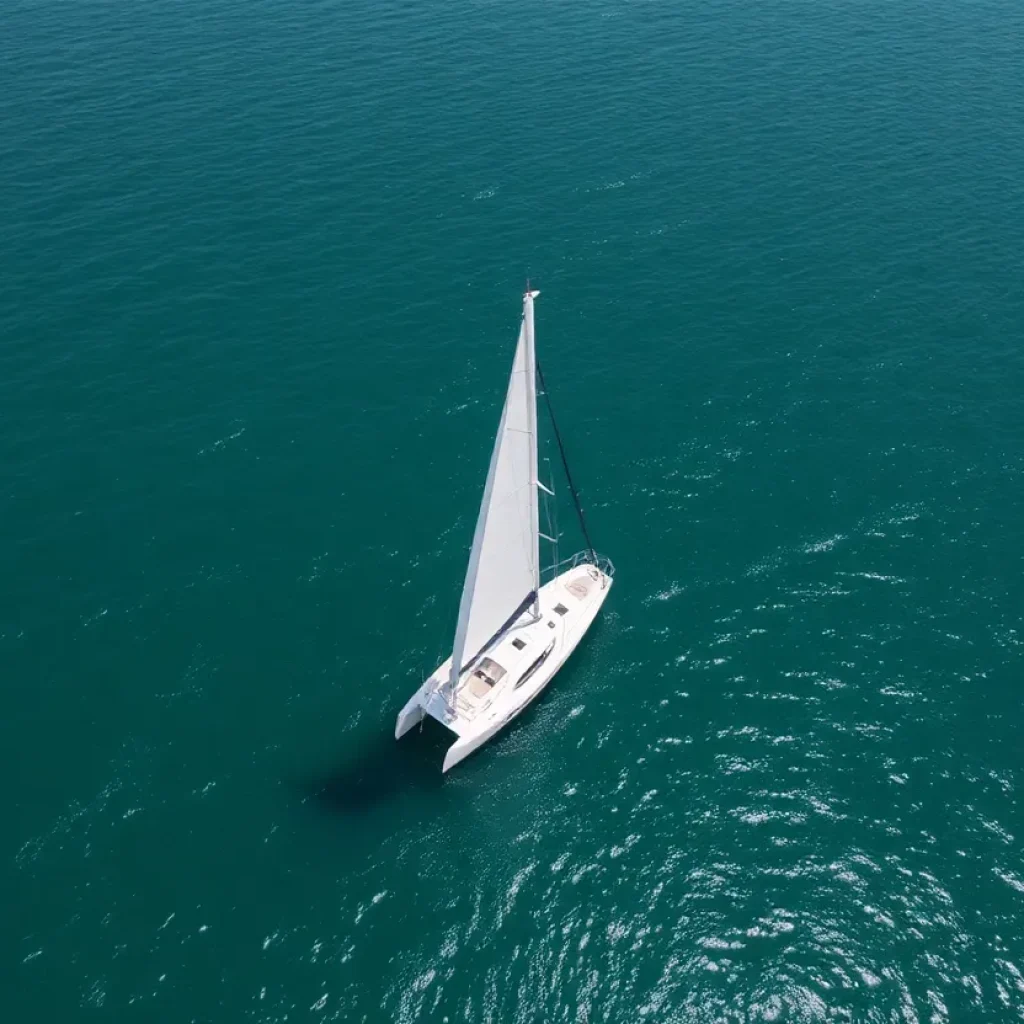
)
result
[(565, 462)]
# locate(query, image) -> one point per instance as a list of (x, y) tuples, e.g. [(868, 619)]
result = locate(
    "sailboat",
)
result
[(514, 632)]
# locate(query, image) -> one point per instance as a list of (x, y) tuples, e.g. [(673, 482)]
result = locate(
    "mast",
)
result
[(531, 407)]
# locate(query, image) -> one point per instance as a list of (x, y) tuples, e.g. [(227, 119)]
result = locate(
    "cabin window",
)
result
[(561, 609), (536, 665), (518, 644), (551, 625)]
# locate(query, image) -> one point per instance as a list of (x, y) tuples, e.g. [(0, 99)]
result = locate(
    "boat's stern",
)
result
[(460, 750), (411, 715), (429, 699)]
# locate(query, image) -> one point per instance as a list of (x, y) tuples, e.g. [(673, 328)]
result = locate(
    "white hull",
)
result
[(515, 669)]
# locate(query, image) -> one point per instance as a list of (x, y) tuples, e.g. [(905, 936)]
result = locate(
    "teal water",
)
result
[(259, 289)]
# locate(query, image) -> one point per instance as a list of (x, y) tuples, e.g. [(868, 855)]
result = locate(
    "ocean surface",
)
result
[(260, 283)]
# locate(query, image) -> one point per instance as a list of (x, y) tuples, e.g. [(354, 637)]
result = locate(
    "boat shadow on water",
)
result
[(382, 770)]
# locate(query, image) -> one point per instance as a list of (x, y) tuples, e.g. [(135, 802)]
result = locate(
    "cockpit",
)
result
[(485, 677)]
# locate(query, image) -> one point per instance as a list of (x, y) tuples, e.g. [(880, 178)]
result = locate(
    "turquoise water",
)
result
[(259, 290)]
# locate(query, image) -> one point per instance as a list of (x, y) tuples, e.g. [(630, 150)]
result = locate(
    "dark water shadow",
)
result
[(382, 770)]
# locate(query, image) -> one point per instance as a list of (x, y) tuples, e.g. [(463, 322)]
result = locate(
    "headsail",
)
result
[(504, 568)]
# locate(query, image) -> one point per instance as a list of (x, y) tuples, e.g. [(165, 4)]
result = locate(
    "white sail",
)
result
[(504, 568)]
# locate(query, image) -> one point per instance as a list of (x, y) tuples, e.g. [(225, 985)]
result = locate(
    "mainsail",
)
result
[(504, 566)]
